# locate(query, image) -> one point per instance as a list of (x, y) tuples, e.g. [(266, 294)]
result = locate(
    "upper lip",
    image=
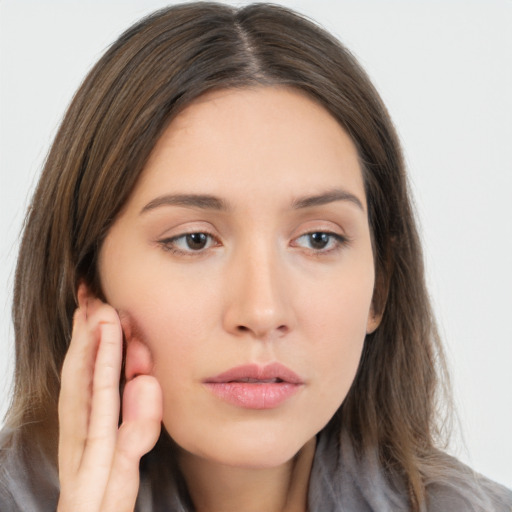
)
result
[(271, 372)]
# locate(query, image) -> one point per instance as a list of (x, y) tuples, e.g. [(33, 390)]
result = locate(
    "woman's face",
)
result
[(242, 271)]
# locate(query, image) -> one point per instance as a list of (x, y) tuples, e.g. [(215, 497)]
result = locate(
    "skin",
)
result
[(257, 287)]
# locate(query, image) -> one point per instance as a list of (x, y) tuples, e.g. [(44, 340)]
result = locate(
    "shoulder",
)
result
[(342, 480), (7, 503), (7, 474), (28, 479), (456, 487), (6, 499)]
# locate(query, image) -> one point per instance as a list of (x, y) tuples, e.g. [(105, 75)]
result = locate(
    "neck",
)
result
[(215, 487)]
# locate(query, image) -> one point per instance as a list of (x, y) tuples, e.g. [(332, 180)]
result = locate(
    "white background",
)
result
[(444, 69)]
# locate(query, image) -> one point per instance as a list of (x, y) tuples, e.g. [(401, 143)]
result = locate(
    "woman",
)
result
[(223, 229)]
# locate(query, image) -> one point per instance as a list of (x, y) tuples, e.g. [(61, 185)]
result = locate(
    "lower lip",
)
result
[(267, 395)]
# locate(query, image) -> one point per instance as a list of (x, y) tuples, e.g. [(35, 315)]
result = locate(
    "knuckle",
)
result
[(105, 314), (106, 385)]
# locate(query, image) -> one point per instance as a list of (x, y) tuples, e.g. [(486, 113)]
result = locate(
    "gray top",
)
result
[(339, 482)]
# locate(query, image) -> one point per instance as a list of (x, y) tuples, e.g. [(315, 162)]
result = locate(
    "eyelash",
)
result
[(170, 244), (334, 238)]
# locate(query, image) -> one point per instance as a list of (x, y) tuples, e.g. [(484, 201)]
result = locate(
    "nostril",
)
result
[(281, 329)]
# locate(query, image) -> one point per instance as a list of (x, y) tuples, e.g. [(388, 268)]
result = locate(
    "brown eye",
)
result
[(320, 241), (196, 241), (189, 243)]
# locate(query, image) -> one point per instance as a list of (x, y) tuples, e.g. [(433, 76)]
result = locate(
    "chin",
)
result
[(256, 451), (261, 458)]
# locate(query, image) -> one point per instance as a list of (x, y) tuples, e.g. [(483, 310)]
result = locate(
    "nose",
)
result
[(258, 298)]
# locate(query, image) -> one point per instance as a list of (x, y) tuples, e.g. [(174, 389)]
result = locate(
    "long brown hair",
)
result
[(150, 73)]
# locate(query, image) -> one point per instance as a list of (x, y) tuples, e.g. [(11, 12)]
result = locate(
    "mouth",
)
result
[(255, 387), (258, 381)]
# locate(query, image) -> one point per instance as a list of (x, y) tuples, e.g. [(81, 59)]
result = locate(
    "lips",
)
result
[(254, 372), (255, 387)]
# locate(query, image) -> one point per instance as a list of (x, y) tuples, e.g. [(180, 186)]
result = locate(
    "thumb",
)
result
[(139, 431), (142, 416)]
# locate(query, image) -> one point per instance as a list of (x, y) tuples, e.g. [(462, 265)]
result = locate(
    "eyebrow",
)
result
[(202, 201), (209, 202), (330, 196)]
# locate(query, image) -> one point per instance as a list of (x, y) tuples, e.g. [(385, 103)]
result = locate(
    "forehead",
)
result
[(253, 139)]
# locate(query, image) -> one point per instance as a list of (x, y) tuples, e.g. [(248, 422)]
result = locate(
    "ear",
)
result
[(373, 321), (82, 293), (138, 359), (379, 299)]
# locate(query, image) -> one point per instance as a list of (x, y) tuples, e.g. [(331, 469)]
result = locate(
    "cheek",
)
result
[(335, 321), (175, 328), (169, 331)]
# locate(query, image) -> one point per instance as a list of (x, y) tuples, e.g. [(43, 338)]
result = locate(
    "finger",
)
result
[(75, 394), (104, 416), (142, 416), (142, 407)]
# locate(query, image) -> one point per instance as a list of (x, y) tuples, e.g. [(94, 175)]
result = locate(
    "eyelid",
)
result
[(169, 243), (339, 237), (340, 240)]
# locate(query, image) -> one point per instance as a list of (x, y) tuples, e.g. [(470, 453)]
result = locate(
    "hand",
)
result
[(99, 461)]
